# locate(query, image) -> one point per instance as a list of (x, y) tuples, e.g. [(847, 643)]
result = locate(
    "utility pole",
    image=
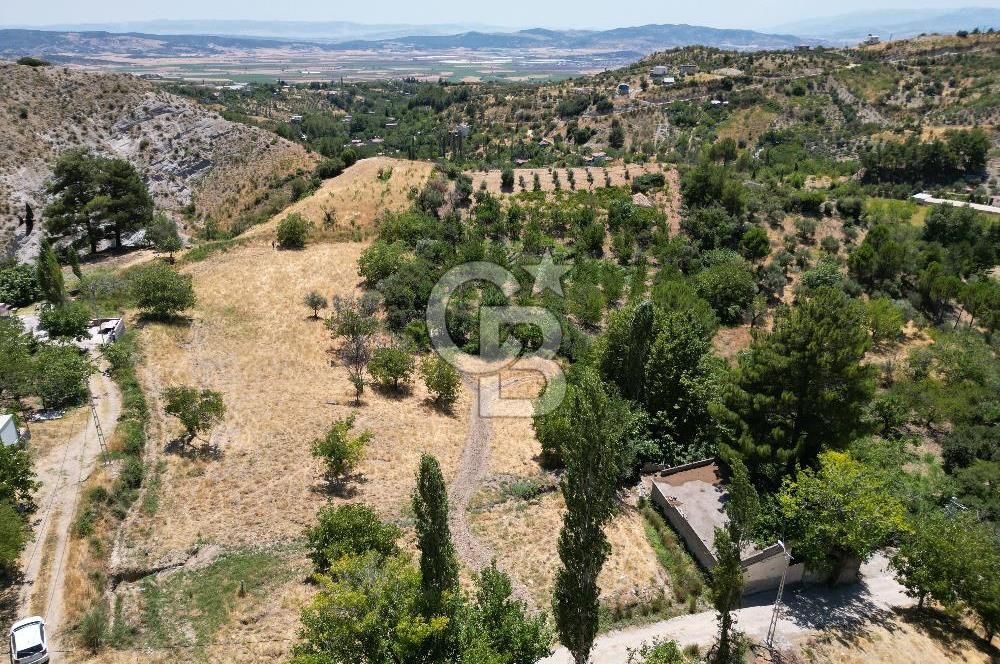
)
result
[(776, 613)]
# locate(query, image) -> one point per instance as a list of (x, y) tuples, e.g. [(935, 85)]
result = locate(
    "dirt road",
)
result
[(806, 611), (472, 467), (62, 471)]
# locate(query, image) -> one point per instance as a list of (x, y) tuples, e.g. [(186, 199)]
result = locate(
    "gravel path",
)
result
[(62, 473), (472, 467), (806, 611)]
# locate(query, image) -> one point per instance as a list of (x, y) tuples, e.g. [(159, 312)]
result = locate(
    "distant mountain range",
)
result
[(69, 46), (331, 31), (899, 23)]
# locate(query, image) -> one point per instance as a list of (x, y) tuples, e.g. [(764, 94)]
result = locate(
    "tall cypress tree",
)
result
[(593, 456), (49, 275), (438, 564)]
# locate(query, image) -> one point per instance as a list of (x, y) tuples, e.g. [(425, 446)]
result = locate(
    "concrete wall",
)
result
[(680, 524)]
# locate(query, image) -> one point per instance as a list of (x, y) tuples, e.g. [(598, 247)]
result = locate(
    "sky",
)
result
[(755, 14)]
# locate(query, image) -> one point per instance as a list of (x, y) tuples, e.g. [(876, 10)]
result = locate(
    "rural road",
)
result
[(805, 611), (472, 466), (62, 471)]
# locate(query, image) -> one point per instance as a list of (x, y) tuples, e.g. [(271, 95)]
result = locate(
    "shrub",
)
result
[(160, 291), (728, 287), (441, 379), (391, 365), (647, 182), (12, 535), (351, 529), (60, 375), (67, 321), (18, 285), (293, 231), (94, 627), (339, 449), (507, 179)]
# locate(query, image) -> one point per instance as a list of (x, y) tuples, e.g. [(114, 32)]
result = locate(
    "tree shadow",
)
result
[(394, 393), (186, 449), (340, 486), (144, 319), (11, 581), (948, 630), (441, 407)]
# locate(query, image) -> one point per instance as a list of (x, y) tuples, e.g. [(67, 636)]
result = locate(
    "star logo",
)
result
[(548, 275)]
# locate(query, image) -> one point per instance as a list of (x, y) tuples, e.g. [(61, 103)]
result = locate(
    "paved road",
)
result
[(62, 472), (808, 611)]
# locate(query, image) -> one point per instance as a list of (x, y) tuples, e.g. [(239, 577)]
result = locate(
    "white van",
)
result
[(28, 643)]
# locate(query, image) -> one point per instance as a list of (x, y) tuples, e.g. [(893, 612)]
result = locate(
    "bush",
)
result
[(390, 366), (18, 285), (339, 449), (60, 375), (647, 182), (507, 179), (441, 379), (12, 535), (728, 287), (67, 321), (197, 410), (94, 627), (160, 291), (352, 529), (293, 231)]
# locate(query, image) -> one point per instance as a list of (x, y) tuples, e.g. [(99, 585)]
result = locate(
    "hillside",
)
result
[(186, 153)]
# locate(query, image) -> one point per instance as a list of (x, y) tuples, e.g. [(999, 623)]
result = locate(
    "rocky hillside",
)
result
[(188, 154)]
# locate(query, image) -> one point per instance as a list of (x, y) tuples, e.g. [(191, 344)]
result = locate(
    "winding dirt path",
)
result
[(62, 472), (472, 467)]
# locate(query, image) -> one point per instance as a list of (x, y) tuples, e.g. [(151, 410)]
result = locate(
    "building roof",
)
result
[(698, 492)]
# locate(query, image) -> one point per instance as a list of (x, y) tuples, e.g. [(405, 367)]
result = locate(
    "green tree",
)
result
[(885, 320), (352, 529), (367, 611), (59, 375), (160, 291), (755, 245), (163, 235), (49, 276), (616, 139), (593, 457), (75, 184), (197, 410), (67, 321), (18, 285), (339, 450), (314, 301), (442, 379), (354, 324), (438, 564), (390, 366), (500, 625), (293, 231), (16, 365), (13, 536), (801, 387), (728, 287), (123, 202), (839, 513), (507, 179), (726, 591), (380, 261), (17, 479)]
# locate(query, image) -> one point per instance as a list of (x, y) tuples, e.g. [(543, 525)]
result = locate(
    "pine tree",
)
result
[(49, 275), (438, 564), (801, 387), (593, 465)]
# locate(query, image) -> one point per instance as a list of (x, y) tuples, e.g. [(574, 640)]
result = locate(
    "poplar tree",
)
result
[(593, 454), (49, 275), (438, 564)]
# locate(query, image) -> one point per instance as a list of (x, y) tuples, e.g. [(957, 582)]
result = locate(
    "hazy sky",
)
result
[(514, 13)]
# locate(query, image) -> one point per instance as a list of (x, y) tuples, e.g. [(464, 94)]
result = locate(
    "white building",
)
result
[(8, 430)]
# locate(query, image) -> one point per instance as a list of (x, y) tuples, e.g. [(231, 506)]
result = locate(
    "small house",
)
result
[(658, 72), (688, 69), (871, 40), (295, 119), (693, 496), (624, 90), (598, 158), (8, 430)]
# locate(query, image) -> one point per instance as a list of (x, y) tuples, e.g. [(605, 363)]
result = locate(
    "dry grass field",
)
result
[(357, 197)]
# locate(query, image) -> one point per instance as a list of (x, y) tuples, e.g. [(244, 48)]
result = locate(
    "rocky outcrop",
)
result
[(181, 148)]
